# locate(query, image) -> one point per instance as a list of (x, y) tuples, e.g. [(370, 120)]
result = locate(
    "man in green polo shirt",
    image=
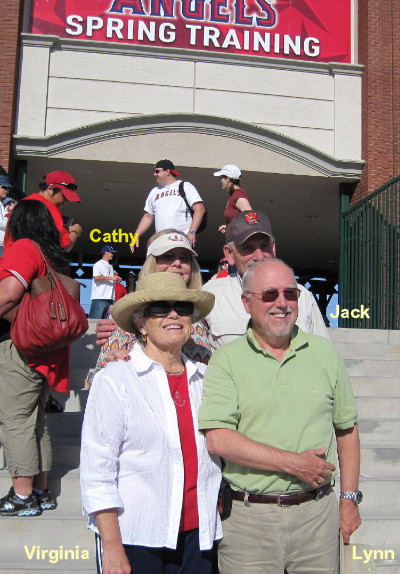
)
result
[(276, 403)]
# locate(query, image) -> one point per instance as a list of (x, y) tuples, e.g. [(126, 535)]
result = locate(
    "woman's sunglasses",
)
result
[(161, 309), (170, 257), (271, 295)]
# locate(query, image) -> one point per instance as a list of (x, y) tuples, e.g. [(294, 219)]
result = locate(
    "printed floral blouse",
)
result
[(196, 348)]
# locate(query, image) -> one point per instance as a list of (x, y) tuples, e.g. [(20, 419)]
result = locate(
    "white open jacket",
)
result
[(131, 456)]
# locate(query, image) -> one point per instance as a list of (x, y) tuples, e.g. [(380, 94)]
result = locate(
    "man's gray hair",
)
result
[(252, 266)]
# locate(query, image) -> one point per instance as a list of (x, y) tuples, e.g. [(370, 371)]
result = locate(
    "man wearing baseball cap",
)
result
[(58, 188), (249, 238), (166, 208), (104, 279)]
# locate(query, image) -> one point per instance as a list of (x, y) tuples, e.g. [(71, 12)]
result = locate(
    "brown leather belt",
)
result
[(285, 499)]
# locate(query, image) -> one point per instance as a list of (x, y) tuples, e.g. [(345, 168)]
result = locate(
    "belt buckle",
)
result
[(280, 503), (319, 493)]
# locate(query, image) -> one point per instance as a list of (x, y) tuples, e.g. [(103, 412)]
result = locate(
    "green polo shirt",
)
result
[(293, 405)]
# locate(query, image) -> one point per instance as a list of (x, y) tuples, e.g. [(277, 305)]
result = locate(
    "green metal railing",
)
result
[(369, 260)]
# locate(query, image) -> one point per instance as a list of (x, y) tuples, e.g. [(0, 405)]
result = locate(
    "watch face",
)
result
[(359, 496)]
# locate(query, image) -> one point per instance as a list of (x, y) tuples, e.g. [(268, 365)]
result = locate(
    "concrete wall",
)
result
[(66, 84)]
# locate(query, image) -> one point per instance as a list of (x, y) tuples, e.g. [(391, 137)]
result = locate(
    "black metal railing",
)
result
[(369, 276)]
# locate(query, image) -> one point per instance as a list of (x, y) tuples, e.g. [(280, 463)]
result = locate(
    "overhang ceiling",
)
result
[(295, 185)]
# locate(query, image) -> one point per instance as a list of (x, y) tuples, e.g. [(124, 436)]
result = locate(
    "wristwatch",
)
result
[(356, 496), (192, 231)]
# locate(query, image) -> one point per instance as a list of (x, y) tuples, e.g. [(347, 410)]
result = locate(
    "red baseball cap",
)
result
[(65, 182)]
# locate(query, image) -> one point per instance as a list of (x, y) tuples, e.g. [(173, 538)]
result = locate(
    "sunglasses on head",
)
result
[(271, 295), (71, 186), (161, 309)]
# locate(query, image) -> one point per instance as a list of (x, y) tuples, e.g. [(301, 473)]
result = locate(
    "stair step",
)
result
[(75, 401), (65, 424), (55, 536), (65, 489), (367, 351), (373, 336), (378, 407), (381, 499), (371, 368), (378, 430), (382, 460), (380, 535), (374, 386)]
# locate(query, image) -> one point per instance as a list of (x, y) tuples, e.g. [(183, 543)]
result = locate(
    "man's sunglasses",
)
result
[(71, 186), (271, 295), (161, 309), (158, 170)]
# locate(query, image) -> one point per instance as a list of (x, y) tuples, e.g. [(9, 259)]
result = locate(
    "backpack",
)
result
[(203, 223)]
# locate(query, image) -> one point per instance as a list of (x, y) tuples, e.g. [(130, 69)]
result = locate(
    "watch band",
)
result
[(192, 231), (355, 496)]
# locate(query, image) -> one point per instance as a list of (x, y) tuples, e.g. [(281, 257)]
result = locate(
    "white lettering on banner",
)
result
[(199, 36)]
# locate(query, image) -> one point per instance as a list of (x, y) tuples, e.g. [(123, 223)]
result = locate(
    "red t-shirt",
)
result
[(119, 291), (57, 217), (231, 210), (178, 385), (23, 260), (222, 274)]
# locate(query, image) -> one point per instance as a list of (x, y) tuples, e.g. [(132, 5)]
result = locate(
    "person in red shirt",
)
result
[(223, 269), (239, 199), (58, 188), (25, 383), (119, 289)]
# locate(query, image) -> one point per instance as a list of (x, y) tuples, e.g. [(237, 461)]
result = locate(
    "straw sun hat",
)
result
[(161, 287)]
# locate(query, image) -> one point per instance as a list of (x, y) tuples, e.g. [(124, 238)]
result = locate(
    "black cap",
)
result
[(248, 223), (167, 164)]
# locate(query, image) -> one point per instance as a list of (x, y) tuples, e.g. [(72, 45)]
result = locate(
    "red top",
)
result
[(23, 261), (224, 273), (178, 385), (57, 217), (231, 210), (119, 291)]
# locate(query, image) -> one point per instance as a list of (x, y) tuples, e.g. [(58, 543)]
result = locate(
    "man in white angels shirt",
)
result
[(166, 207)]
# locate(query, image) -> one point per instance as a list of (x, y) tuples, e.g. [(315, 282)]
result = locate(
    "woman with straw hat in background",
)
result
[(149, 485)]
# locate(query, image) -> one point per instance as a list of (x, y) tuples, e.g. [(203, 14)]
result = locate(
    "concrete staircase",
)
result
[(373, 360)]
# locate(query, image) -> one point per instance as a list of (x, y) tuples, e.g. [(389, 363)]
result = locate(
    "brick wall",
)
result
[(10, 26), (379, 52)]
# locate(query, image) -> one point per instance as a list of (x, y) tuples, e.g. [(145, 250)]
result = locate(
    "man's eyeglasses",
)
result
[(161, 309), (71, 186), (271, 295), (158, 170)]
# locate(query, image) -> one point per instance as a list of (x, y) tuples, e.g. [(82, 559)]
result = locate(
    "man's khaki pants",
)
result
[(269, 539)]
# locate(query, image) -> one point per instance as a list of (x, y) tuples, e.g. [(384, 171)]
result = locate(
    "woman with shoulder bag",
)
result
[(25, 381)]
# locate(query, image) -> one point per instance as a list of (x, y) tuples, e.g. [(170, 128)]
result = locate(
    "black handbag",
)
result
[(225, 499)]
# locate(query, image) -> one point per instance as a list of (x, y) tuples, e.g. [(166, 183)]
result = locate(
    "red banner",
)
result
[(315, 30)]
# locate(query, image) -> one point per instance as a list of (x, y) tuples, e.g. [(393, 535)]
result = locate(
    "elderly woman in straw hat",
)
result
[(168, 250), (149, 486)]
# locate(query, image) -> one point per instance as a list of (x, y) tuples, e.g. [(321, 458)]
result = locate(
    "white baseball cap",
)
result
[(230, 170), (169, 241)]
